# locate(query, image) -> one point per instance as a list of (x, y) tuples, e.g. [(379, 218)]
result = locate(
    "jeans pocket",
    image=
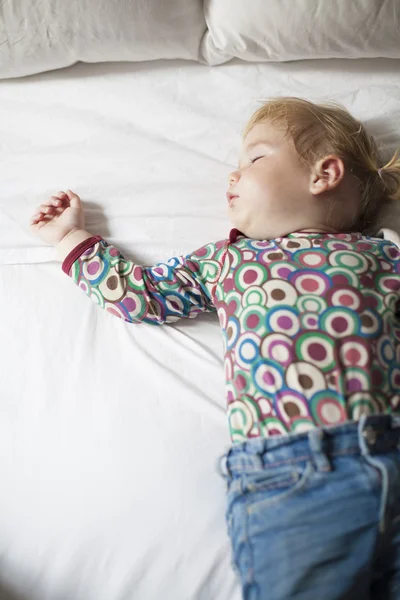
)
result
[(266, 479), (273, 485)]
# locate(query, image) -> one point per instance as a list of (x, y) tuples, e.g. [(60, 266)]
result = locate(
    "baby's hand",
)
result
[(57, 217)]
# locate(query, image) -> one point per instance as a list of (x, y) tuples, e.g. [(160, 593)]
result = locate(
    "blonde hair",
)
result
[(317, 130)]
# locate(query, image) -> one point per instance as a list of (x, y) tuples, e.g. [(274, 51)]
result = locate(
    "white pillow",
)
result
[(52, 34), (281, 30)]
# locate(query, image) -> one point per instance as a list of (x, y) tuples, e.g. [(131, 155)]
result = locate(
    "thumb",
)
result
[(75, 201)]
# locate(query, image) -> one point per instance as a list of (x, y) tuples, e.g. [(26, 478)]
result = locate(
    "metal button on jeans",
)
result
[(370, 435)]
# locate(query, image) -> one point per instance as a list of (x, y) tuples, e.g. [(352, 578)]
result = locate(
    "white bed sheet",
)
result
[(109, 432)]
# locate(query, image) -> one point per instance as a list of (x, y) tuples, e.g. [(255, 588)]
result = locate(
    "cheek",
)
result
[(263, 189), (255, 183)]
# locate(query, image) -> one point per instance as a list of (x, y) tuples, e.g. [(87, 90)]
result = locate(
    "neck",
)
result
[(315, 230)]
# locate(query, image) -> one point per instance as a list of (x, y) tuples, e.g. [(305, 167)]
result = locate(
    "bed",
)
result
[(110, 433)]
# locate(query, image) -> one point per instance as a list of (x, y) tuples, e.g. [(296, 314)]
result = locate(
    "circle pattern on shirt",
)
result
[(91, 252), (223, 318), (385, 350), (349, 259), (278, 347), (267, 376), (232, 332), (340, 276), (394, 376), (370, 324), (113, 287), (95, 270), (228, 365), (335, 245), (313, 259), (282, 269), (122, 266), (312, 304), (387, 283), (390, 301), (302, 425), (327, 408), (345, 297), (240, 419), (247, 349), (272, 426), (310, 282), (250, 275), (309, 321), (294, 246), (354, 353), (241, 381), (279, 292), (361, 403), (316, 348), (283, 320), (253, 319), (254, 295), (290, 405), (287, 308), (340, 322), (305, 378), (373, 300), (233, 302), (356, 380)]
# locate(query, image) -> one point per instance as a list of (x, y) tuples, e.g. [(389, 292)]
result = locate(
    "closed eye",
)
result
[(256, 158)]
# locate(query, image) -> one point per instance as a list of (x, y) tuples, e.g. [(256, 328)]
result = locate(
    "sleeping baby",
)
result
[(307, 296)]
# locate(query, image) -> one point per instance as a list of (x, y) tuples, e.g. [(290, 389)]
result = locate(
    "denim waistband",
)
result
[(373, 434)]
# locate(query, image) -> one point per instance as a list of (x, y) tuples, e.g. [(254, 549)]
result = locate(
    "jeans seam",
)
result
[(384, 492), (300, 458), (273, 486), (250, 574)]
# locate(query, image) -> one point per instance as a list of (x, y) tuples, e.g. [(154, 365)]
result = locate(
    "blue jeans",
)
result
[(316, 515)]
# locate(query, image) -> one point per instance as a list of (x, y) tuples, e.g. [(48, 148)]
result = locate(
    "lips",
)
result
[(230, 197)]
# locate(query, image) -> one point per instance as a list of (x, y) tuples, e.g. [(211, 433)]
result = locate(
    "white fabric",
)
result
[(109, 432), (52, 34), (280, 30)]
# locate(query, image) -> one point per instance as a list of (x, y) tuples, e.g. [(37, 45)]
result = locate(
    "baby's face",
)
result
[(270, 190)]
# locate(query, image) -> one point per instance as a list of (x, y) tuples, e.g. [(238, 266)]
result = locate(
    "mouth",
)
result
[(230, 197)]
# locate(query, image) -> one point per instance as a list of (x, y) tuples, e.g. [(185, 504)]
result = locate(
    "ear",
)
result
[(326, 174)]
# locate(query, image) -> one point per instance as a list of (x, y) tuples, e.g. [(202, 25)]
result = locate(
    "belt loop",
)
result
[(316, 439), (395, 421), (366, 435), (222, 466), (367, 440)]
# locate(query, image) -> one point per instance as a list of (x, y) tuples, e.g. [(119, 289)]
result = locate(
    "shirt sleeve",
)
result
[(181, 287)]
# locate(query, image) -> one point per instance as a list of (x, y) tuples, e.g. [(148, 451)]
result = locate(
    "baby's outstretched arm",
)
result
[(181, 287)]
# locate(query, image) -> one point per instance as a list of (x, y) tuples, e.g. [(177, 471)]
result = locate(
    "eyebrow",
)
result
[(255, 144)]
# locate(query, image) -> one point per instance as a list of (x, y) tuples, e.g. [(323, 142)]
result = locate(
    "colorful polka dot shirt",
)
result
[(310, 322)]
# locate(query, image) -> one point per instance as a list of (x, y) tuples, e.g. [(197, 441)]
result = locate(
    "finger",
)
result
[(45, 208), (42, 207), (60, 196), (47, 202), (39, 225), (42, 216), (37, 217), (74, 199), (56, 201)]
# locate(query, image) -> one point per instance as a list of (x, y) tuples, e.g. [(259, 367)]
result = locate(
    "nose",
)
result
[(234, 177)]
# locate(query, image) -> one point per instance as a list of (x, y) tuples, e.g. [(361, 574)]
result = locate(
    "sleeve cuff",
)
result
[(78, 251)]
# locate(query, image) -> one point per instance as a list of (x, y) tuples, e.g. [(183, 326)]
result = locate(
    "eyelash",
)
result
[(256, 158)]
